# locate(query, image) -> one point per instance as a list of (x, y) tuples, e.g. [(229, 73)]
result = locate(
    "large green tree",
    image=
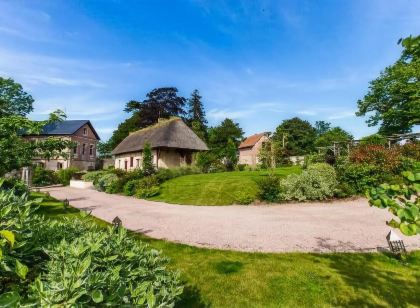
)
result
[(335, 134), (196, 115), (17, 152), (220, 135), (13, 99), (159, 103), (296, 135), (393, 99), (321, 127)]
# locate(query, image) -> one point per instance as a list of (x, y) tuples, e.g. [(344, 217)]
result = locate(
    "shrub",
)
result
[(147, 163), (65, 175), (16, 185), (387, 160), (94, 176), (106, 182), (147, 192), (147, 187), (241, 167), (268, 188), (318, 182), (359, 177), (44, 177), (243, 197), (130, 187)]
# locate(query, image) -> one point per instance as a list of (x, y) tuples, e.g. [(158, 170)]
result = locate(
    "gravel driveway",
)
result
[(315, 227)]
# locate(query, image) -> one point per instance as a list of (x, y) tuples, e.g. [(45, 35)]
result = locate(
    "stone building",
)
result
[(83, 156), (250, 147)]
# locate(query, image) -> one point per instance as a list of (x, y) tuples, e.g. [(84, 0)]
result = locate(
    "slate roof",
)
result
[(251, 141), (171, 133), (67, 127)]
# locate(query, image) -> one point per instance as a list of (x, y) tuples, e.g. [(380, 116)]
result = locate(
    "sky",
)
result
[(257, 62)]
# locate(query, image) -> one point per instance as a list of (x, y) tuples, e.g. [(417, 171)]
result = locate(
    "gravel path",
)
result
[(315, 227)]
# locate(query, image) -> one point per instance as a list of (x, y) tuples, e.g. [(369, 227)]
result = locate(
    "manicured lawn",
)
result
[(214, 188), (233, 279)]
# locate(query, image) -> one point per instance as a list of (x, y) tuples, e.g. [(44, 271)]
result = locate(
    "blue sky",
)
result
[(258, 62)]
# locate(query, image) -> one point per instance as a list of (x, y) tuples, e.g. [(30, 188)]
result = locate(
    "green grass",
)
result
[(214, 188), (219, 278)]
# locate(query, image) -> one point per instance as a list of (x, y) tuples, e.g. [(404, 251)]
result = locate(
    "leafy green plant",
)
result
[(44, 177), (65, 175), (130, 187), (318, 182), (17, 185), (147, 187), (268, 188), (94, 176), (244, 197), (106, 268), (106, 182), (401, 200)]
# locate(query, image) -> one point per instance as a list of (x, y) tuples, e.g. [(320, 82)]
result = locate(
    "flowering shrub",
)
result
[(377, 155), (318, 182)]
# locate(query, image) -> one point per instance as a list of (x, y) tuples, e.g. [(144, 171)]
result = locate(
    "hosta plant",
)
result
[(401, 200)]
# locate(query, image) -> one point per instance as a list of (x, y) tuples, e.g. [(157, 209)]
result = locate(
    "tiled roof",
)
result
[(251, 141), (67, 127)]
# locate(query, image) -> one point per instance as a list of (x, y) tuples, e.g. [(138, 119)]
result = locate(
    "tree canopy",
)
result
[(296, 135), (159, 103), (219, 136), (393, 99), (335, 134), (321, 127), (13, 99), (16, 152)]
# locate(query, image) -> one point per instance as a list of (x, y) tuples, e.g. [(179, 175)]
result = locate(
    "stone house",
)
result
[(83, 156), (250, 147), (172, 142)]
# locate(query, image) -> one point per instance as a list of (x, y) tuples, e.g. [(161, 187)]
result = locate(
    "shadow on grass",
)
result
[(191, 297), (376, 285), (228, 267)]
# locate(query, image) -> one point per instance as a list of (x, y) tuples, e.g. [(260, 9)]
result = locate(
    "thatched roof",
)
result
[(171, 133)]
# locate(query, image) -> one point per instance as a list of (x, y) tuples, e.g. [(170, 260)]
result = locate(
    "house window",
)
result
[(138, 162), (131, 162), (75, 148), (119, 164), (91, 150), (125, 164), (84, 131), (59, 166), (83, 149)]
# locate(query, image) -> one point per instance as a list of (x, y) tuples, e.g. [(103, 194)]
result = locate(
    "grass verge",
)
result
[(214, 188), (219, 278)]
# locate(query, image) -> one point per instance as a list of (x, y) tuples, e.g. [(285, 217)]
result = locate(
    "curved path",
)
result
[(316, 227)]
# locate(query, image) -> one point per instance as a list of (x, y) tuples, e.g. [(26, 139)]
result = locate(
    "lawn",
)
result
[(214, 188), (234, 279)]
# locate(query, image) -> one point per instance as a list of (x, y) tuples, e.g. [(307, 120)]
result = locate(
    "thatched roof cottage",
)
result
[(171, 140)]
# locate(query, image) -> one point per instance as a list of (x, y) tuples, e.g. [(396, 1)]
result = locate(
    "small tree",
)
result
[(231, 158), (148, 167)]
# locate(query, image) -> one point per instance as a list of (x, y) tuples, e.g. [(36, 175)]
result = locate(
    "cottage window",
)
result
[(131, 162), (138, 162), (91, 150), (119, 164), (75, 149), (59, 166), (125, 164), (83, 148), (85, 131)]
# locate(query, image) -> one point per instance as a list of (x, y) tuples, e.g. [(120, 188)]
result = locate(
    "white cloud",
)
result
[(341, 115)]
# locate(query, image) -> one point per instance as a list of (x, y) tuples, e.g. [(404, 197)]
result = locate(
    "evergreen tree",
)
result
[(147, 164), (197, 116), (231, 155)]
